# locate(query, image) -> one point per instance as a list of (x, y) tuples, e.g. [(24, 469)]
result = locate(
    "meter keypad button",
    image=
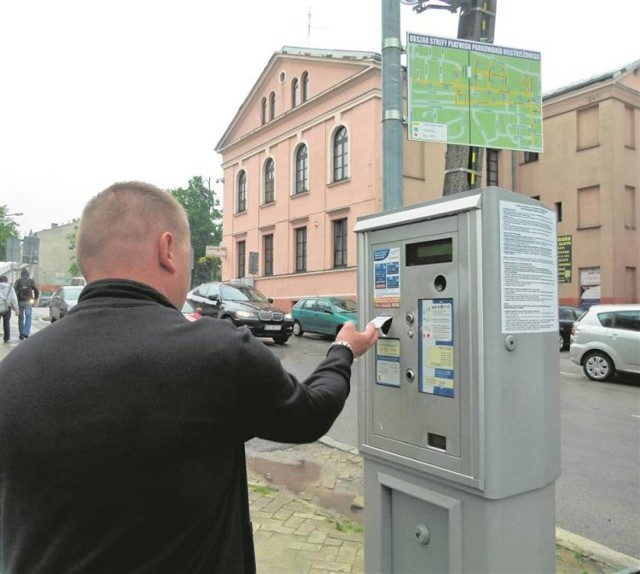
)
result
[(410, 375), (409, 318)]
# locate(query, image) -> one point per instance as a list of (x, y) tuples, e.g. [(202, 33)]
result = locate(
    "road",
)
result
[(598, 493)]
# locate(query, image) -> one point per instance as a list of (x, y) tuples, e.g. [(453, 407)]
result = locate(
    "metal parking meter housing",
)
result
[(459, 416)]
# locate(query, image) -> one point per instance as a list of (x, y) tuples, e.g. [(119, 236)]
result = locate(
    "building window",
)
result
[(559, 210), (267, 250), (305, 86), (589, 207), (629, 207), (295, 88), (630, 285), (272, 106), (241, 207), (530, 156), (301, 249), (341, 154), (263, 111), (629, 127), (492, 166), (588, 130), (302, 169), (340, 243), (269, 180), (241, 252)]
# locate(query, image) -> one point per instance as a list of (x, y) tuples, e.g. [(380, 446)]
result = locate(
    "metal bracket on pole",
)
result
[(392, 43), (483, 10), (464, 169), (392, 115)]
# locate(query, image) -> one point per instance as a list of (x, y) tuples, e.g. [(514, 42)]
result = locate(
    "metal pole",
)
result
[(392, 132)]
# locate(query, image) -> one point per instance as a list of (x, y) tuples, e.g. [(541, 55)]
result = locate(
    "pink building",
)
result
[(302, 161)]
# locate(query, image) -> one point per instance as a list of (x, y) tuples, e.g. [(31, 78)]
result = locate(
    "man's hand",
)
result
[(360, 341)]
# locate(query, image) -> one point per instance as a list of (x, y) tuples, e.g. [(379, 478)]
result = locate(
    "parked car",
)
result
[(567, 316), (45, 298), (243, 305), (324, 315), (63, 300), (606, 339), (190, 312)]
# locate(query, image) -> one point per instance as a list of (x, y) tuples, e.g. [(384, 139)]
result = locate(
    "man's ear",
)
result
[(167, 251)]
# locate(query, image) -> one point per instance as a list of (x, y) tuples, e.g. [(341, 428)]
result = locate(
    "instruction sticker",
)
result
[(529, 268), (437, 373), (386, 277), (388, 362)]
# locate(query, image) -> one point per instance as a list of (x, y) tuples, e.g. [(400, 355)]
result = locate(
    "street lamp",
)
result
[(13, 214)]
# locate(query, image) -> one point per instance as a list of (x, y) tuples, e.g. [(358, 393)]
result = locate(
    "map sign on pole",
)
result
[(474, 94)]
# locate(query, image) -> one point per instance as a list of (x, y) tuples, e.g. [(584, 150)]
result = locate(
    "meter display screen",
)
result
[(429, 252)]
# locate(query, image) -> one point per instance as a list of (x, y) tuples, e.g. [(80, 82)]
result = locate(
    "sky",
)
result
[(98, 91)]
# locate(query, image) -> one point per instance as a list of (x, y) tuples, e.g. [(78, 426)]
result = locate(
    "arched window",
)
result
[(242, 192), (295, 88), (272, 106), (305, 86), (302, 169), (269, 180), (263, 111), (340, 154)]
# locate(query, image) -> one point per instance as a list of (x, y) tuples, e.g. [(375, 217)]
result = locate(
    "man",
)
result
[(8, 301), (122, 428), (28, 294)]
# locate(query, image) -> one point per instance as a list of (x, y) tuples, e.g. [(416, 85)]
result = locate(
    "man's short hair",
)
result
[(124, 217)]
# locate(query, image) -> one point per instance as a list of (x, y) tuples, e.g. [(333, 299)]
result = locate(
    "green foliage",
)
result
[(8, 228), (262, 489), (205, 221), (346, 525), (72, 238)]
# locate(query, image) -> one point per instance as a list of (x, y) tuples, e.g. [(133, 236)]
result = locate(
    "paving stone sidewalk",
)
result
[(307, 512)]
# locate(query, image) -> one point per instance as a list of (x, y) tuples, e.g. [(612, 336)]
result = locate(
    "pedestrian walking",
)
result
[(122, 428), (8, 301), (28, 293)]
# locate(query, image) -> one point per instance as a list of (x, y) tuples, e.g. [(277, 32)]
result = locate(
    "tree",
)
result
[(463, 164), (8, 228), (205, 221), (72, 237)]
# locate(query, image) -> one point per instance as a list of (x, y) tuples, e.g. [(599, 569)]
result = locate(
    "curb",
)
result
[(564, 538), (596, 551)]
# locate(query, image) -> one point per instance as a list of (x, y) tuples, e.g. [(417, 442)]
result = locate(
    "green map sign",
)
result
[(473, 93)]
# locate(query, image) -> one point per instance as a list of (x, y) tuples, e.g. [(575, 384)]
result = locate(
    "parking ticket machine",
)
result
[(459, 403)]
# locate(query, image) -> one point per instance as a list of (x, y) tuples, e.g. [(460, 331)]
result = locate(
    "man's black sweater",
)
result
[(122, 432)]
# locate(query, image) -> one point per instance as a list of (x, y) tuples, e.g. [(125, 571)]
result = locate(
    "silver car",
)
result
[(606, 339)]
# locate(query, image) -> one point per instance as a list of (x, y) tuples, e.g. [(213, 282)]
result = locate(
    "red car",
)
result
[(190, 312)]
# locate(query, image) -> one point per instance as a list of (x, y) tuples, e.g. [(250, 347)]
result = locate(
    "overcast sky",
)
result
[(97, 91)]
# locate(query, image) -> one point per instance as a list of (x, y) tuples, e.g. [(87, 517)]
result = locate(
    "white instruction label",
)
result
[(529, 269)]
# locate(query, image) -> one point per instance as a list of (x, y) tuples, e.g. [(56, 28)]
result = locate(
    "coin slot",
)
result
[(437, 441)]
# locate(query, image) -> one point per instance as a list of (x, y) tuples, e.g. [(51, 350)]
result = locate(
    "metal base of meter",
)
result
[(416, 525)]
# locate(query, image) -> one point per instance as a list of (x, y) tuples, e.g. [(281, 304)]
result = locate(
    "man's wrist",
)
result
[(343, 344)]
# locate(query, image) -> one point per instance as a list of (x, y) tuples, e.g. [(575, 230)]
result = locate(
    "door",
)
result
[(625, 338), (325, 321)]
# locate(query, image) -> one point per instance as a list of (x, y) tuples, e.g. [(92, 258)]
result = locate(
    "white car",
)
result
[(606, 339)]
